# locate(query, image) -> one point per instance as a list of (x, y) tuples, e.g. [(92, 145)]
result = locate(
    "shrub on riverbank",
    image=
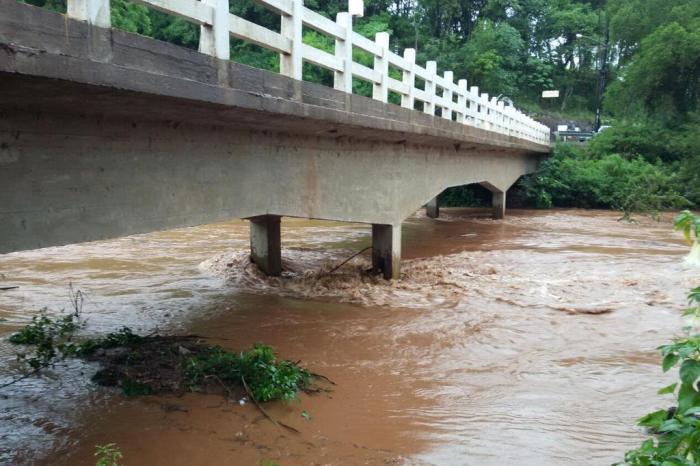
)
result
[(576, 176)]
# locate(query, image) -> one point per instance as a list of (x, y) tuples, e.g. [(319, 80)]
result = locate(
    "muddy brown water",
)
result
[(526, 341)]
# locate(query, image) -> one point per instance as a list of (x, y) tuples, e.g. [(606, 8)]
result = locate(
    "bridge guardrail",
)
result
[(455, 101)]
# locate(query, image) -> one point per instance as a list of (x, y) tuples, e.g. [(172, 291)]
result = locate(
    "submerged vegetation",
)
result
[(108, 455), (268, 377), (145, 365)]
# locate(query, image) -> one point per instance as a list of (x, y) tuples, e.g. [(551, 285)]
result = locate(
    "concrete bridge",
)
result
[(105, 133)]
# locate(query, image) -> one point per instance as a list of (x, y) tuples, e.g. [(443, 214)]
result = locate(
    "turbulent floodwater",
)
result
[(525, 341)]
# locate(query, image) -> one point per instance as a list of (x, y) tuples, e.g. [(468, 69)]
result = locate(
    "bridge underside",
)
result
[(94, 148)]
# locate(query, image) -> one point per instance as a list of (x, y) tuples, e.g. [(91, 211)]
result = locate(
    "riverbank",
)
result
[(498, 335)]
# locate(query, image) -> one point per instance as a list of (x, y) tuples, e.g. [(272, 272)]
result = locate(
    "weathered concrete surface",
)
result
[(498, 200), (432, 208), (104, 134), (266, 243), (498, 203), (386, 250)]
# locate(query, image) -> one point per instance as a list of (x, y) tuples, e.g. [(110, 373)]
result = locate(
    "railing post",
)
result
[(486, 110), (291, 28), (343, 50), (380, 90), (474, 90), (462, 101), (447, 95), (501, 117), (214, 39), (429, 104), (95, 12), (409, 78)]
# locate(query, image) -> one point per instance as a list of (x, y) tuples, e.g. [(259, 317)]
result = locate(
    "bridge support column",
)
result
[(498, 203), (386, 250), (266, 243), (432, 208)]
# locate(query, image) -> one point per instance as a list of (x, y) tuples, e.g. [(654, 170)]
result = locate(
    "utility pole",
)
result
[(602, 74), (602, 67)]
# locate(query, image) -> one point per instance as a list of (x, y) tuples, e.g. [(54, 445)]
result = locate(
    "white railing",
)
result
[(457, 101)]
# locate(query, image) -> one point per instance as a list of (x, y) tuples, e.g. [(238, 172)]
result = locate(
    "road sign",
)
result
[(550, 94)]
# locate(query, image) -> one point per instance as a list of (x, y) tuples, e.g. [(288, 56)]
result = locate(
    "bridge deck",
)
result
[(105, 134), (110, 71)]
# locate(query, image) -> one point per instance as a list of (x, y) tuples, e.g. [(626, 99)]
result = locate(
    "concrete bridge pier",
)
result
[(432, 208), (498, 203), (266, 243), (498, 199), (386, 250)]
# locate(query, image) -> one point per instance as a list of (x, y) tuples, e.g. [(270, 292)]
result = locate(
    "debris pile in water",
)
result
[(311, 274), (145, 365)]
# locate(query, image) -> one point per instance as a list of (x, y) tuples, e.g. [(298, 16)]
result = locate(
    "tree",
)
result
[(662, 80)]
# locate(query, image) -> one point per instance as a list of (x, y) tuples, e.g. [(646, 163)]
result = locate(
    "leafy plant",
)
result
[(50, 338), (689, 224), (677, 431), (267, 377), (108, 455)]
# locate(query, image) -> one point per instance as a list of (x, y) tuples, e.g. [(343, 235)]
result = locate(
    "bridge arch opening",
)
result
[(480, 194)]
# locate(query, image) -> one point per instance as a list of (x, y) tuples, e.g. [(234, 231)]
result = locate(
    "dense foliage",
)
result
[(588, 177)]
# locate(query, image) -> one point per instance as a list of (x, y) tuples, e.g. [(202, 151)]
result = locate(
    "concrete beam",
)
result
[(266, 243), (432, 208), (68, 178), (498, 203), (386, 250)]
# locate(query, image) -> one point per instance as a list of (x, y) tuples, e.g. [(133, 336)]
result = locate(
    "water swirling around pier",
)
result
[(529, 340)]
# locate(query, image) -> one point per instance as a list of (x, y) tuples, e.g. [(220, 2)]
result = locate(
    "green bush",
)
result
[(50, 338), (650, 142), (108, 455), (573, 178), (267, 377)]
